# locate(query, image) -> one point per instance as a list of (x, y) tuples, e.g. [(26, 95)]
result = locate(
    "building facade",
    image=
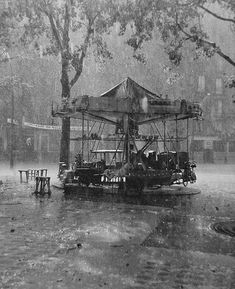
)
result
[(214, 138)]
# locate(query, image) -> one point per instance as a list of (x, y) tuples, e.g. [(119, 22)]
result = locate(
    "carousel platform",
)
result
[(174, 190)]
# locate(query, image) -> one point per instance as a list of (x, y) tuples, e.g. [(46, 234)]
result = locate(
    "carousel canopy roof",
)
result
[(128, 98), (128, 88)]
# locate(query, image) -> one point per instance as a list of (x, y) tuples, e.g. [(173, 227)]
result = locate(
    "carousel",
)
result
[(137, 161)]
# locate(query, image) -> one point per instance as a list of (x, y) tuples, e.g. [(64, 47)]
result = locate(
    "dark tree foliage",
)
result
[(177, 22)]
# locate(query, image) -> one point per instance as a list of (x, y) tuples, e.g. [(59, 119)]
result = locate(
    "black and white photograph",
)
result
[(117, 144)]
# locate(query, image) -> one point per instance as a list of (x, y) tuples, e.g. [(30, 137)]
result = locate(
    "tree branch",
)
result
[(78, 64), (78, 70), (216, 15), (188, 3), (66, 26), (45, 8), (57, 22), (55, 31), (226, 57), (203, 42)]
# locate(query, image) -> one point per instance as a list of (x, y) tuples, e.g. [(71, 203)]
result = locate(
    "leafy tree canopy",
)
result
[(56, 23), (65, 27), (178, 23)]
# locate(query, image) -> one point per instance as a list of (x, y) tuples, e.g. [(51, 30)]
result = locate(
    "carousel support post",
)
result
[(187, 135), (127, 148), (164, 141), (88, 142), (129, 137), (128, 142), (192, 140), (83, 136), (177, 142), (164, 134), (124, 151)]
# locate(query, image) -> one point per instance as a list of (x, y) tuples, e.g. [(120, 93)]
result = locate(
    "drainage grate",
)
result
[(227, 228)]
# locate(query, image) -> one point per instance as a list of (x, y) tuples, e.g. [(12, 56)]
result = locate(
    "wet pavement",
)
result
[(84, 241)]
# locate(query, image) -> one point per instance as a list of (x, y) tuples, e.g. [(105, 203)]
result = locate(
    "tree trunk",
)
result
[(65, 141), (65, 134)]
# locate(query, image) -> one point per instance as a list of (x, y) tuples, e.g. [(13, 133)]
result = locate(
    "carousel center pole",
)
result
[(127, 140), (82, 136), (187, 135), (88, 142), (177, 142), (164, 135)]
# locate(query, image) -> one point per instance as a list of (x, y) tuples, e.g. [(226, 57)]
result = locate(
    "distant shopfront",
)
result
[(33, 142), (213, 150)]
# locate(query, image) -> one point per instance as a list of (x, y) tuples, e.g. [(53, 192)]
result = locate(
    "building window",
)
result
[(44, 143), (191, 79), (219, 86), (233, 97), (232, 146), (219, 146), (220, 107), (198, 126), (54, 143), (197, 146), (201, 83), (72, 146)]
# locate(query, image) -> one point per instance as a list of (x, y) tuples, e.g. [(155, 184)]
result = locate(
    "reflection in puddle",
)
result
[(111, 228), (168, 201), (191, 233)]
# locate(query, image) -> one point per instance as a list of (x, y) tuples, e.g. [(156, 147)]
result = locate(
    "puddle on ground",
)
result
[(192, 233)]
